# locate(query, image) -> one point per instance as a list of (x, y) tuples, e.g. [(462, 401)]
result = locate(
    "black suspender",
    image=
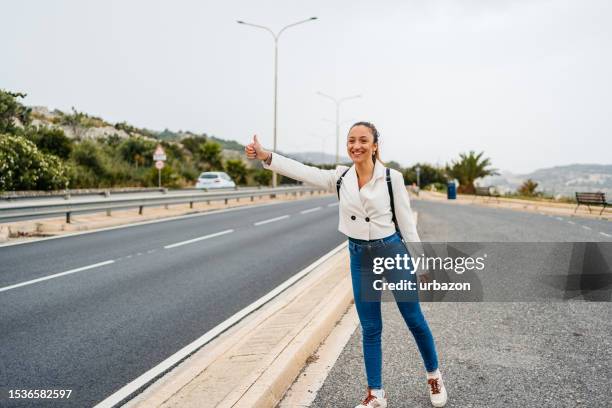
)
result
[(389, 188), (339, 182)]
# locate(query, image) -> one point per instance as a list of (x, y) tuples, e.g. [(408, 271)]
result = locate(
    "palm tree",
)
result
[(468, 168), (528, 188)]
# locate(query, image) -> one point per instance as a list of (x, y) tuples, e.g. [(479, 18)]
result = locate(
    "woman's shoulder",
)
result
[(396, 174)]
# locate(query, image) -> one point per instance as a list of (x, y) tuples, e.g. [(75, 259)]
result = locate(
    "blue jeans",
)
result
[(370, 314)]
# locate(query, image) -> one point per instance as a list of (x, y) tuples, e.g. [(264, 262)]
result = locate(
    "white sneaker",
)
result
[(371, 401), (437, 391)]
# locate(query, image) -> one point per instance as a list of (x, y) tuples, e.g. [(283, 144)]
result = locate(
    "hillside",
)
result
[(559, 180)]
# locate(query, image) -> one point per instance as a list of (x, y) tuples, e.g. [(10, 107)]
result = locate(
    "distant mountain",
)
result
[(559, 180), (317, 157)]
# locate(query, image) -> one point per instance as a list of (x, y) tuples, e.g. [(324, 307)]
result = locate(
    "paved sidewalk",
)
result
[(544, 207)]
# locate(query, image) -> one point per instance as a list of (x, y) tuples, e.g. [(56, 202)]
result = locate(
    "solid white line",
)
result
[(282, 217), (332, 204), (131, 387), (57, 275), (559, 218), (310, 210), (585, 227), (216, 234), (571, 222), (605, 235)]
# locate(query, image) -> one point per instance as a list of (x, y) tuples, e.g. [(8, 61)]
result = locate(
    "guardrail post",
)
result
[(207, 202), (191, 204), (140, 210), (68, 217), (226, 201), (166, 206), (252, 198), (108, 213), (272, 195)]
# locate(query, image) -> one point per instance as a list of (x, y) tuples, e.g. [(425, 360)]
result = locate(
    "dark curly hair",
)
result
[(374, 131)]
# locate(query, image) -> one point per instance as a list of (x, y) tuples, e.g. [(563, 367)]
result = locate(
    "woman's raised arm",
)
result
[(292, 168)]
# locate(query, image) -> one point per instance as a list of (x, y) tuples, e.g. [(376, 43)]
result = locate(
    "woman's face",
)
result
[(360, 144)]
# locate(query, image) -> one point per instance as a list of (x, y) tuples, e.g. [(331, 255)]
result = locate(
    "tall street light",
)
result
[(276, 36), (338, 102)]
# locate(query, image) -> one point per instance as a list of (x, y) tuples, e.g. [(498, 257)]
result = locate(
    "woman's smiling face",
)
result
[(360, 144)]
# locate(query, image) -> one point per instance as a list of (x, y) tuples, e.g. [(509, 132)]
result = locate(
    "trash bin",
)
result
[(451, 191)]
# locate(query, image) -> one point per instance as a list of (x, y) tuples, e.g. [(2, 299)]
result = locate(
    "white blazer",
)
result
[(364, 213)]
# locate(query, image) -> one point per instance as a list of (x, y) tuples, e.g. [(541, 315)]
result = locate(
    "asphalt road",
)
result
[(493, 354), (153, 292)]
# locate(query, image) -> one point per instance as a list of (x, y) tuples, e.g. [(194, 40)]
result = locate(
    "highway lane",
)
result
[(492, 354), (95, 330)]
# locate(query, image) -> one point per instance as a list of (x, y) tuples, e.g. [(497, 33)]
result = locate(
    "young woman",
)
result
[(366, 218)]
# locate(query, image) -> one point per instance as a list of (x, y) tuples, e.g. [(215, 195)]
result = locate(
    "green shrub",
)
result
[(236, 170), (50, 140), (262, 177), (24, 167)]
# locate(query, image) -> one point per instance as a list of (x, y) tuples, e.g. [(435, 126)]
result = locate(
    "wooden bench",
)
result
[(590, 199), (486, 192)]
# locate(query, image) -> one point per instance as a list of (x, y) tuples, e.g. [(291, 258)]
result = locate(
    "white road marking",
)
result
[(559, 218), (605, 235), (282, 217), (216, 234), (585, 227), (137, 224), (332, 204), (571, 222), (310, 210), (174, 359), (57, 275)]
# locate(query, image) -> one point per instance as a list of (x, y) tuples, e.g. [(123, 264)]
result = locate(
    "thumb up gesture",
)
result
[(254, 150)]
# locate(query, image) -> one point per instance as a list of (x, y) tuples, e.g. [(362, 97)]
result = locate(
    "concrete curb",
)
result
[(269, 387), (254, 362)]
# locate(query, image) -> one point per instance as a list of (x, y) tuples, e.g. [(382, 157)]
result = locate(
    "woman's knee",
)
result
[(411, 312), (371, 329)]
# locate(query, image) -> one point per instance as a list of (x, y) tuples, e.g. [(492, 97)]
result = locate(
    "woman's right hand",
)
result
[(254, 150)]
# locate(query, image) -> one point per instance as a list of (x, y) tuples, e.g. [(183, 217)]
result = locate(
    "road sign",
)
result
[(159, 154), (159, 164)]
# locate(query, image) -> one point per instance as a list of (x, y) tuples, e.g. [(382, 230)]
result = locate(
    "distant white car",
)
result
[(215, 179)]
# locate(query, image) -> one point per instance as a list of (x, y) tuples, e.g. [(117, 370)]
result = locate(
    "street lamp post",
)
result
[(276, 37), (338, 102)]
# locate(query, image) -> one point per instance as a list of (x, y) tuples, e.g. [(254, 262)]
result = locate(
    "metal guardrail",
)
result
[(19, 210), (105, 192)]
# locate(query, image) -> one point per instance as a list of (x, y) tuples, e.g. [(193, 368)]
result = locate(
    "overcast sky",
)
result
[(528, 82)]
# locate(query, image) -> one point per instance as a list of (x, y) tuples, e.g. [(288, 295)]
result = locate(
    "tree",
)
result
[(11, 110), (468, 168), (87, 154), (193, 144), (262, 177), (50, 140), (236, 170), (138, 151), (24, 167), (428, 174), (528, 188), (210, 154)]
